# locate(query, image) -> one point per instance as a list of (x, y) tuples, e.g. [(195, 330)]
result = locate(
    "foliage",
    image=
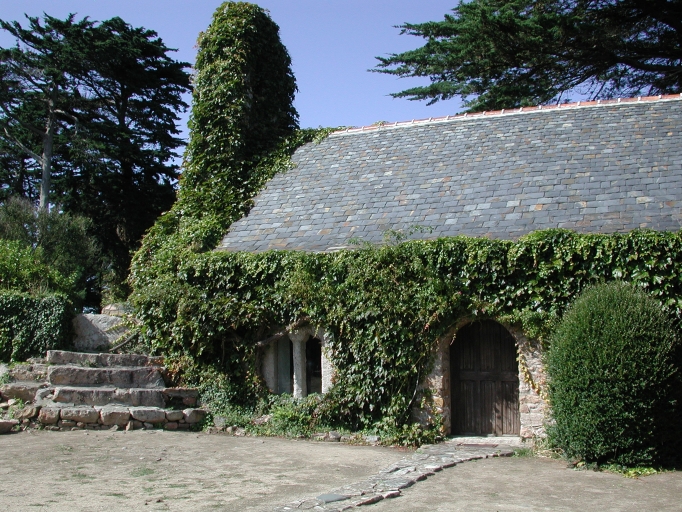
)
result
[(242, 131), (29, 326), (611, 371), (385, 307), (88, 111), (506, 54), (46, 251)]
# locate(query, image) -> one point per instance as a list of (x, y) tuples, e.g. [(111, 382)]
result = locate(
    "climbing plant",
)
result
[(385, 307)]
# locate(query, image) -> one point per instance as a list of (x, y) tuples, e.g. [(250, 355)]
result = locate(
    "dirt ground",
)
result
[(157, 470)]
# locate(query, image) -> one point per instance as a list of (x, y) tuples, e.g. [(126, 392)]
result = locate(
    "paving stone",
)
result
[(389, 481)]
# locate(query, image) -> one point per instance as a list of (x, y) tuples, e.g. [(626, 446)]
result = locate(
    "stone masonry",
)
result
[(71, 390)]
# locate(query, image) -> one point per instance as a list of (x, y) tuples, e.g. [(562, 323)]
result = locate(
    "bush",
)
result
[(29, 326), (56, 247), (611, 374)]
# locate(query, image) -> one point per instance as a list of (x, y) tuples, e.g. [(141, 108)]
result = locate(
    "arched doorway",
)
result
[(484, 381)]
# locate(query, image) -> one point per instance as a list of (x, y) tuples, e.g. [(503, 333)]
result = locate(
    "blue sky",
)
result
[(332, 43)]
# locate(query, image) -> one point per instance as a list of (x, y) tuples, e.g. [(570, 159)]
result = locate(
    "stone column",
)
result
[(327, 367), (269, 367), (298, 339)]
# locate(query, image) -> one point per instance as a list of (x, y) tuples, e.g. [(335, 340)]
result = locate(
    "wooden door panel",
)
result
[(485, 380)]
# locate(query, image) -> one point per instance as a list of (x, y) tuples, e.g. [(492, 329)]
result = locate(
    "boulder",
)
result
[(28, 412), (48, 415), (25, 391), (7, 425), (96, 332), (194, 415), (76, 414), (148, 414), (113, 415), (174, 415)]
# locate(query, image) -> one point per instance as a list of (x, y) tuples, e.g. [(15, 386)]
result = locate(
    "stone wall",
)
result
[(106, 417), (435, 388)]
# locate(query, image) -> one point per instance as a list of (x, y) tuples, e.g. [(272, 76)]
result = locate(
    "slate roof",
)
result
[(594, 168)]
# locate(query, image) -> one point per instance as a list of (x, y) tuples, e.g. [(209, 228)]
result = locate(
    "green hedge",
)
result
[(612, 372), (385, 306), (29, 326)]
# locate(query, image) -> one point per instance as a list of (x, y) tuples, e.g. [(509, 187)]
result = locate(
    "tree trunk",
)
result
[(48, 143)]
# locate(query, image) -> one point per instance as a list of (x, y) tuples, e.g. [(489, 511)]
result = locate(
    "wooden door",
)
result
[(485, 381)]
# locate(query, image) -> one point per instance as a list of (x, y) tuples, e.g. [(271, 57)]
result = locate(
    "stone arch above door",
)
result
[(484, 380)]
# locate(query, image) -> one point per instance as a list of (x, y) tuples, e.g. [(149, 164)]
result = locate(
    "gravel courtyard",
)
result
[(159, 470)]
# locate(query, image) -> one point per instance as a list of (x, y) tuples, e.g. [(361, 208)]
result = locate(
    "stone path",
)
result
[(387, 483)]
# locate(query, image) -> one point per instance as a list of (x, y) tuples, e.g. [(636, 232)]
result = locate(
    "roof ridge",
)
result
[(510, 111)]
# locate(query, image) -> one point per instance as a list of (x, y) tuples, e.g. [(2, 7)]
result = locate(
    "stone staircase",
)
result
[(73, 390)]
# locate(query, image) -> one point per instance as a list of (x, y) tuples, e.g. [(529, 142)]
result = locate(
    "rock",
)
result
[(148, 414), (194, 415), (53, 428), (171, 425), (334, 436), (114, 415), (28, 412), (25, 391), (148, 426), (66, 423), (137, 424), (96, 332), (183, 426), (114, 428), (48, 416), (80, 424), (130, 426), (220, 422), (189, 401), (256, 421), (118, 309), (371, 439), (83, 414), (4, 405), (44, 395), (239, 431), (29, 372), (229, 430), (174, 415)]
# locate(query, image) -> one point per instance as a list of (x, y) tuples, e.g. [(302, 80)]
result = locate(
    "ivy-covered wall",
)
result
[(386, 307), (29, 326)]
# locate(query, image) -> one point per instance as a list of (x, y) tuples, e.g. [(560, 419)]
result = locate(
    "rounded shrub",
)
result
[(611, 375)]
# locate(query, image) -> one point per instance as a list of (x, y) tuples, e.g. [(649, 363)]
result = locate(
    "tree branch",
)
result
[(33, 155)]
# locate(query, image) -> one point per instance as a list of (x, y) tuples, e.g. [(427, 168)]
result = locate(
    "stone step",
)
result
[(101, 396), (119, 376), (63, 357), (109, 396), (25, 391)]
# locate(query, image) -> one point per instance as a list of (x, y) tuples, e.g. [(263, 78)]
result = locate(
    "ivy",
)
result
[(387, 306), (29, 326)]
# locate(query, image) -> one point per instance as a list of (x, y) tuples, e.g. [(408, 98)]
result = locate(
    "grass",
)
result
[(142, 472)]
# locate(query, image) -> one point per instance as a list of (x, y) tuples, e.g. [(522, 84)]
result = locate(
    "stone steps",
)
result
[(63, 357), (107, 395), (119, 376), (72, 390)]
